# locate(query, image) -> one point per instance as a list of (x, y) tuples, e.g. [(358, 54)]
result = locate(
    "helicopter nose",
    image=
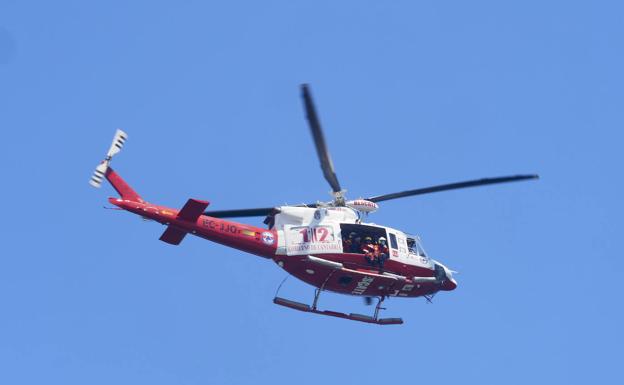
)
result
[(449, 284), (445, 275)]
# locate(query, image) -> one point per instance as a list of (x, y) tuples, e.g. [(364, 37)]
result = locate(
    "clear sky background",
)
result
[(410, 93)]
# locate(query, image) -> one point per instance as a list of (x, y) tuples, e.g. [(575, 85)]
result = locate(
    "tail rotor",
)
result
[(118, 142), (98, 174), (100, 171)]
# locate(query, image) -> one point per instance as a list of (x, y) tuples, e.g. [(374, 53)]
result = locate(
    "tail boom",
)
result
[(248, 238)]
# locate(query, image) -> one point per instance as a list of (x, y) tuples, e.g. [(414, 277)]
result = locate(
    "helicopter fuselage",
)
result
[(308, 244)]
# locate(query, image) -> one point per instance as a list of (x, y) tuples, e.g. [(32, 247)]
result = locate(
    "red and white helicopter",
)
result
[(325, 244)]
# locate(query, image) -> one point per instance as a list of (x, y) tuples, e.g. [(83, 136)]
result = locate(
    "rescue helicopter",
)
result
[(328, 245)]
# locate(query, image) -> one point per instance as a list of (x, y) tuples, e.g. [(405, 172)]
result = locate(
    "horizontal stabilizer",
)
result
[(192, 210), (172, 236)]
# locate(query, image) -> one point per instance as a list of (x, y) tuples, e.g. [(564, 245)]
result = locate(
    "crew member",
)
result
[(348, 243), (356, 245), (370, 250), (383, 251)]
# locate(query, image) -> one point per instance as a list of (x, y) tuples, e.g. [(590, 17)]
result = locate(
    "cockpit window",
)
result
[(414, 246)]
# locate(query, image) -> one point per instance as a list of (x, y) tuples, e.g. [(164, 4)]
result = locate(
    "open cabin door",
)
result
[(353, 236)]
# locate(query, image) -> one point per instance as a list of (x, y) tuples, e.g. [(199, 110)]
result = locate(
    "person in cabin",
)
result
[(348, 242), (370, 250), (383, 251), (356, 245)]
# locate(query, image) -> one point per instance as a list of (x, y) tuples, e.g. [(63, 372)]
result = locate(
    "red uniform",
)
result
[(371, 252)]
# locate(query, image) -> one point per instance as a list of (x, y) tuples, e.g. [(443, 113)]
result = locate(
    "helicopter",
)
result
[(328, 245)]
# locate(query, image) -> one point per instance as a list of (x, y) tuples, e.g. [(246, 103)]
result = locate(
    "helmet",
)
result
[(381, 239), (368, 239), (352, 234)]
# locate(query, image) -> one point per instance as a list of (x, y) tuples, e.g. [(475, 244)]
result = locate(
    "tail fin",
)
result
[(122, 188), (103, 170)]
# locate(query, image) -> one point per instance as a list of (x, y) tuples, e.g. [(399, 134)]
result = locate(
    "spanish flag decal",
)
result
[(249, 233)]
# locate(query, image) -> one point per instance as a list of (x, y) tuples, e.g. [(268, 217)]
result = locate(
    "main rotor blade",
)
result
[(258, 212), (453, 186), (319, 140)]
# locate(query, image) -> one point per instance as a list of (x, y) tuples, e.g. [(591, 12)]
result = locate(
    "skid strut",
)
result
[(352, 316), (378, 307)]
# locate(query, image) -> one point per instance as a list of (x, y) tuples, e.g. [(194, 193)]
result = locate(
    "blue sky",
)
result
[(410, 93)]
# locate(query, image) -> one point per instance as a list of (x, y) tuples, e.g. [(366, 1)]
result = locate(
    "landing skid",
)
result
[(352, 316)]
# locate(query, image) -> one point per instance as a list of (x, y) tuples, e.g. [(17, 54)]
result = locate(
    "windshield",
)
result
[(414, 245)]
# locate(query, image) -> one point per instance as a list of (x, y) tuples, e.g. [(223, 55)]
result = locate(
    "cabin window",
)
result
[(393, 241), (353, 236)]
